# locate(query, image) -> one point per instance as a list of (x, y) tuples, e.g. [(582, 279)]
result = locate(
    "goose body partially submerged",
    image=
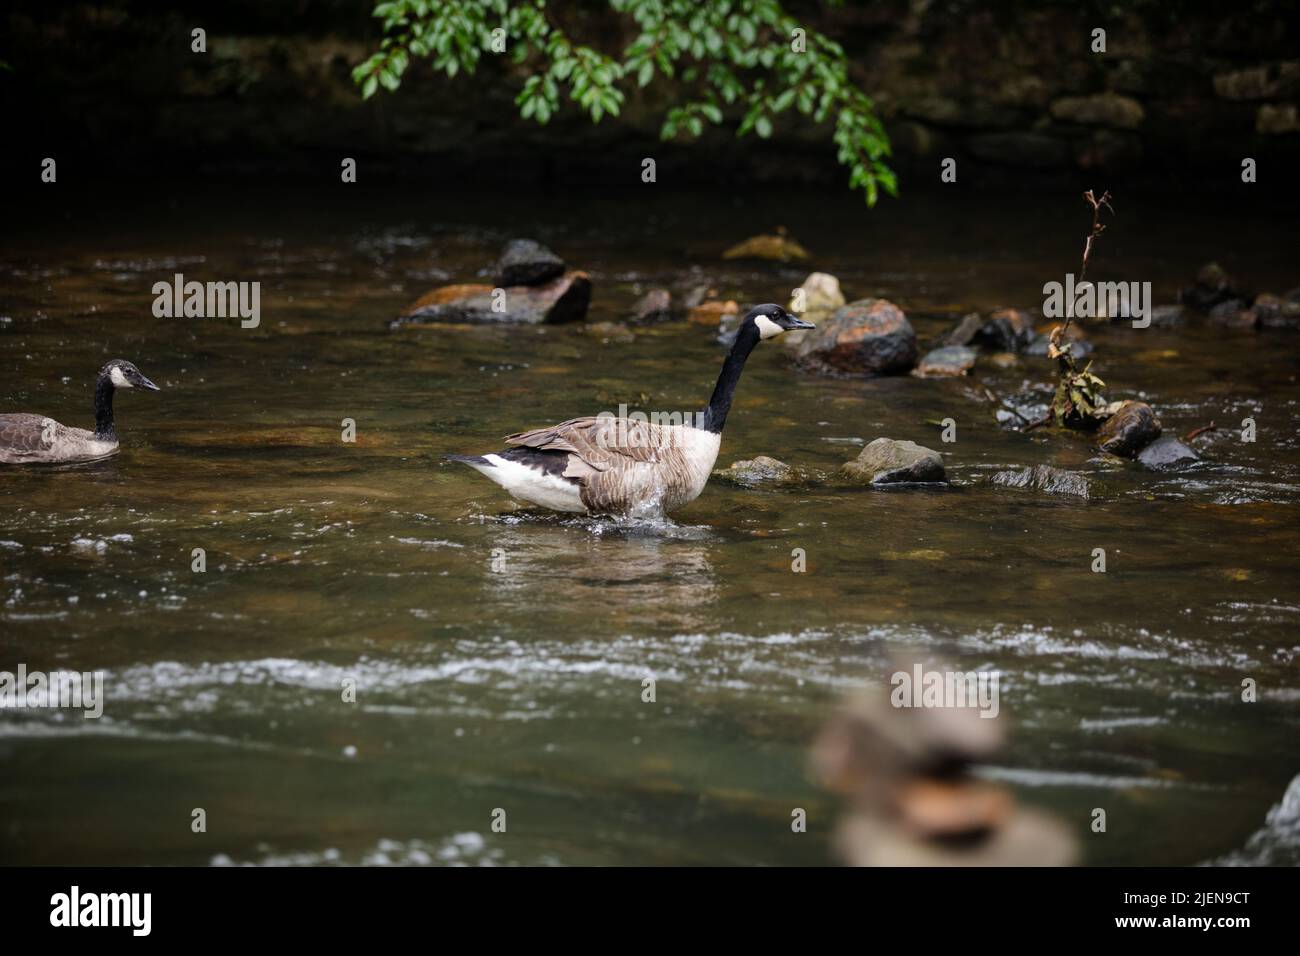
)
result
[(35, 439), (628, 466)]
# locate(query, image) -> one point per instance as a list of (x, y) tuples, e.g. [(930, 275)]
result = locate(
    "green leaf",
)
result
[(763, 127)]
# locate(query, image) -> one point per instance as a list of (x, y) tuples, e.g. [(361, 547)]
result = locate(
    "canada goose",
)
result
[(611, 465), (26, 439)]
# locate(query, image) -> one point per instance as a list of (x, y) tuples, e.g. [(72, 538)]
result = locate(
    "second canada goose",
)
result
[(32, 439), (628, 466)]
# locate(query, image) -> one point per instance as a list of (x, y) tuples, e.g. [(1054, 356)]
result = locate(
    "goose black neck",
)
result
[(715, 416), (104, 407)]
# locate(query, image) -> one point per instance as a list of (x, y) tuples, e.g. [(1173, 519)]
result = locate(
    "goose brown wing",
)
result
[(602, 442), (24, 433)]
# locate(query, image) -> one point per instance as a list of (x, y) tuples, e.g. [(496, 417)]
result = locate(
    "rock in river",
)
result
[(773, 248), (863, 338), (655, 306), (525, 262), (947, 361), (821, 296), (886, 461), (1167, 452), (1007, 330), (757, 471), (561, 300), (1054, 481), (1131, 428)]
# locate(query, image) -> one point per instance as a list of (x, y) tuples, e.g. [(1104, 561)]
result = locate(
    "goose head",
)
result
[(125, 375), (771, 320)]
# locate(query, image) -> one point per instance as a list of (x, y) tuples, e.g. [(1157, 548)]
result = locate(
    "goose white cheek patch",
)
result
[(119, 379), (767, 328)]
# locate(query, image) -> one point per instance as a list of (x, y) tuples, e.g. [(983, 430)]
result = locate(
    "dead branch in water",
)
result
[(1196, 433)]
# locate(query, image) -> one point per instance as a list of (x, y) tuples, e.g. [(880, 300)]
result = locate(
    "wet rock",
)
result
[(1274, 120), (561, 300), (1259, 83), (1101, 109), (1004, 360), (1007, 330), (1168, 316), (821, 297), (525, 262), (1211, 286), (776, 247), (1167, 452), (886, 461), (1233, 314), (757, 471), (1276, 312), (713, 313), (1131, 428), (1045, 478), (655, 306), (863, 338), (943, 362), (966, 330)]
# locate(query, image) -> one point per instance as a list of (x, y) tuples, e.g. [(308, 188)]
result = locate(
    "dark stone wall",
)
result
[(1183, 93)]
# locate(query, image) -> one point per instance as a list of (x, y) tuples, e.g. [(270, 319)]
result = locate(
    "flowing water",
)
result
[(498, 653)]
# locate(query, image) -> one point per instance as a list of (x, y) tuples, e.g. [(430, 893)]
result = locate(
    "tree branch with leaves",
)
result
[(746, 58)]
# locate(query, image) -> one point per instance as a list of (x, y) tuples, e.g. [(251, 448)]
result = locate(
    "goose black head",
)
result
[(125, 375), (771, 320)]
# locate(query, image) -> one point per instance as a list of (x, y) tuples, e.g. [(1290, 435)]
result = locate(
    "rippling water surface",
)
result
[(498, 653)]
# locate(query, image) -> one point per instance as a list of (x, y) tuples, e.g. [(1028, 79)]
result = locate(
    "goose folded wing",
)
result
[(602, 442), (25, 433)]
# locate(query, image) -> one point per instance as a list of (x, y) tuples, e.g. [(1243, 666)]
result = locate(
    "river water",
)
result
[(498, 654)]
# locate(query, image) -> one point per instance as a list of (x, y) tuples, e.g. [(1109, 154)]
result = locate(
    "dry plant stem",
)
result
[(1097, 230)]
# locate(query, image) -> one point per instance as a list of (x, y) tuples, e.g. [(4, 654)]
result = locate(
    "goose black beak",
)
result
[(148, 385), (800, 324)]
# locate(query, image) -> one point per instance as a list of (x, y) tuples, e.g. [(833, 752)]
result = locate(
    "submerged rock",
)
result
[(655, 306), (525, 262), (1211, 286), (713, 313), (943, 362), (1233, 314), (886, 461), (1054, 481), (1167, 452), (866, 337), (1168, 316), (966, 330), (821, 297), (1099, 109), (1131, 428), (561, 300), (772, 248), (757, 471), (1007, 330)]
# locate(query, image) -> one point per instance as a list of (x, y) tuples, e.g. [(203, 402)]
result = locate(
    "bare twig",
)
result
[(1097, 229), (1198, 432)]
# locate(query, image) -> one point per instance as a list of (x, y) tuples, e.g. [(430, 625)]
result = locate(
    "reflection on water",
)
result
[(498, 655)]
